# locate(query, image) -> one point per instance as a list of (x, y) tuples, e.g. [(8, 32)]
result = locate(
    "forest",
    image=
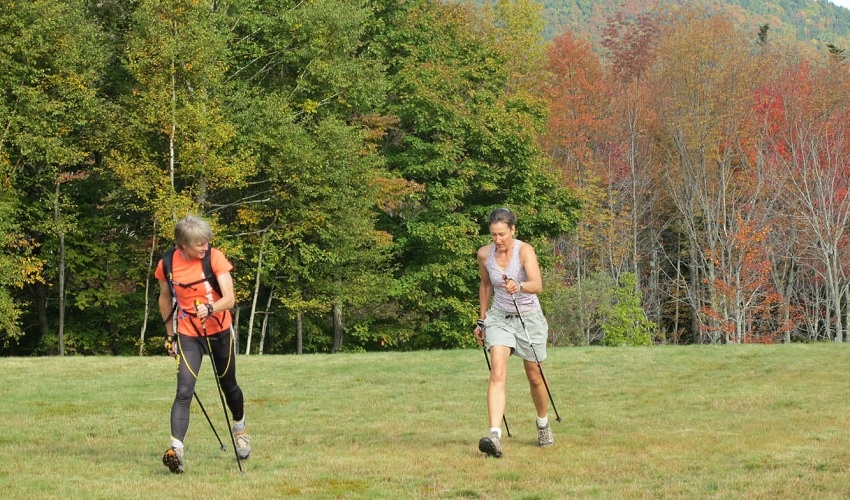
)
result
[(682, 174), (814, 23)]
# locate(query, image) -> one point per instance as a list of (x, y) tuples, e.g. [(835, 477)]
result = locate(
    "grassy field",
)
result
[(662, 422)]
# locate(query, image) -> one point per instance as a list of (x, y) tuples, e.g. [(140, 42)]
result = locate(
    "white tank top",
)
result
[(501, 298)]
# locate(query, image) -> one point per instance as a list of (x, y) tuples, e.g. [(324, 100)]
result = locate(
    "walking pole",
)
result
[(223, 448), (504, 419), (220, 392), (528, 338)]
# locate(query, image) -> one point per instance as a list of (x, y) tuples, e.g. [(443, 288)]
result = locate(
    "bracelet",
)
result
[(520, 286), (480, 323), (209, 309)]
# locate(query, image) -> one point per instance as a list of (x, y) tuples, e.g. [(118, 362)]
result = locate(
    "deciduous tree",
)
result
[(472, 145), (704, 81), (51, 59)]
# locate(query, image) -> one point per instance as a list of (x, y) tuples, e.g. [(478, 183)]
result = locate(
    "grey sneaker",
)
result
[(173, 459), (491, 445), (243, 443), (544, 436)]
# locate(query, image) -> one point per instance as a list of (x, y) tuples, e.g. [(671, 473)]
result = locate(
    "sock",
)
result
[(497, 430), (176, 443), (542, 422), (238, 426)]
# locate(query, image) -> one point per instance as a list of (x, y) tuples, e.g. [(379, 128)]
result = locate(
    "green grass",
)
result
[(662, 422)]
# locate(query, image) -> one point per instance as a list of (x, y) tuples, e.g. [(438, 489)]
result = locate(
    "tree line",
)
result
[(347, 154), (683, 179), (815, 23), (712, 164)]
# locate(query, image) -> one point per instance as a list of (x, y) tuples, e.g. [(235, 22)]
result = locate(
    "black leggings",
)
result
[(190, 355)]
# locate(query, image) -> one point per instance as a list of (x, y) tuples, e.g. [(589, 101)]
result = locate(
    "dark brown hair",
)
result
[(503, 215)]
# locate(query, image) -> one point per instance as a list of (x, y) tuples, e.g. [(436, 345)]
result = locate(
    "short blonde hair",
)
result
[(191, 230)]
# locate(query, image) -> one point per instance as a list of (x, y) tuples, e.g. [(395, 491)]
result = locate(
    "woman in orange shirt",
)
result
[(203, 319)]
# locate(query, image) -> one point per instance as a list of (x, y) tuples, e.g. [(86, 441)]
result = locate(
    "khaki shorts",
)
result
[(505, 328)]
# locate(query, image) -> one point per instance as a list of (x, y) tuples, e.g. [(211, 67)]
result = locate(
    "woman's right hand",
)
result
[(479, 332), (169, 347)]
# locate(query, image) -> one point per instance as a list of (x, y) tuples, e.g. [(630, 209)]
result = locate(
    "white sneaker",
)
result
[(243, 443), (544, 436)]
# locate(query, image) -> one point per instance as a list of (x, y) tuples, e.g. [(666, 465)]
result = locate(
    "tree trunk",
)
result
[(148, 294), (172, 134), (785, 316), (299, 334), (695, 297), (834, 289), (266, 321), (846, 311), (254, 299), (60, 235), (338, 327)]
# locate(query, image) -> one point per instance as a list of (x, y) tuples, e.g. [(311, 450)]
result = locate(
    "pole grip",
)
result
[(197, 304), (505, 278)]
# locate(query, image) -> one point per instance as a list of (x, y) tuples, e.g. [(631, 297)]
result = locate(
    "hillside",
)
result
[(814, 22)]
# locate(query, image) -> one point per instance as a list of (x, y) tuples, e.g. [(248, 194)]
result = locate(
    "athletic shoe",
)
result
[(544, 436), (491, 445), (173, 459), (243, 443)]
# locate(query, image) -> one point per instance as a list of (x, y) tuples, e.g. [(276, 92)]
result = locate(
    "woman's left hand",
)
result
[(512, 286)]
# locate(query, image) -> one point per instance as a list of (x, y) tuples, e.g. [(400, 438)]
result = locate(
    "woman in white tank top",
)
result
[(510, 281)]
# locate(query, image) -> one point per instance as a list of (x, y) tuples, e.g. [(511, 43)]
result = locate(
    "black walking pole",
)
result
[(223, 448), (220, 392), (528, 337)]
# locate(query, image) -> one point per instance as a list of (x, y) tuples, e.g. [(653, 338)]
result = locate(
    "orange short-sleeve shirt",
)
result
[(189, 271)]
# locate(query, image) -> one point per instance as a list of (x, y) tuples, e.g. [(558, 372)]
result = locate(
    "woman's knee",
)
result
[(184, 393), (532, 372), (498, 375), (498, 372)]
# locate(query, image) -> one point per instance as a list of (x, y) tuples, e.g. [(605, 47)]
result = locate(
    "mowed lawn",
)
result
[(659, 422)]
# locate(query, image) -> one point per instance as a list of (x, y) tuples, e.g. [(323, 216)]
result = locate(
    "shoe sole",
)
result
[(487, 446), (172, 461)]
